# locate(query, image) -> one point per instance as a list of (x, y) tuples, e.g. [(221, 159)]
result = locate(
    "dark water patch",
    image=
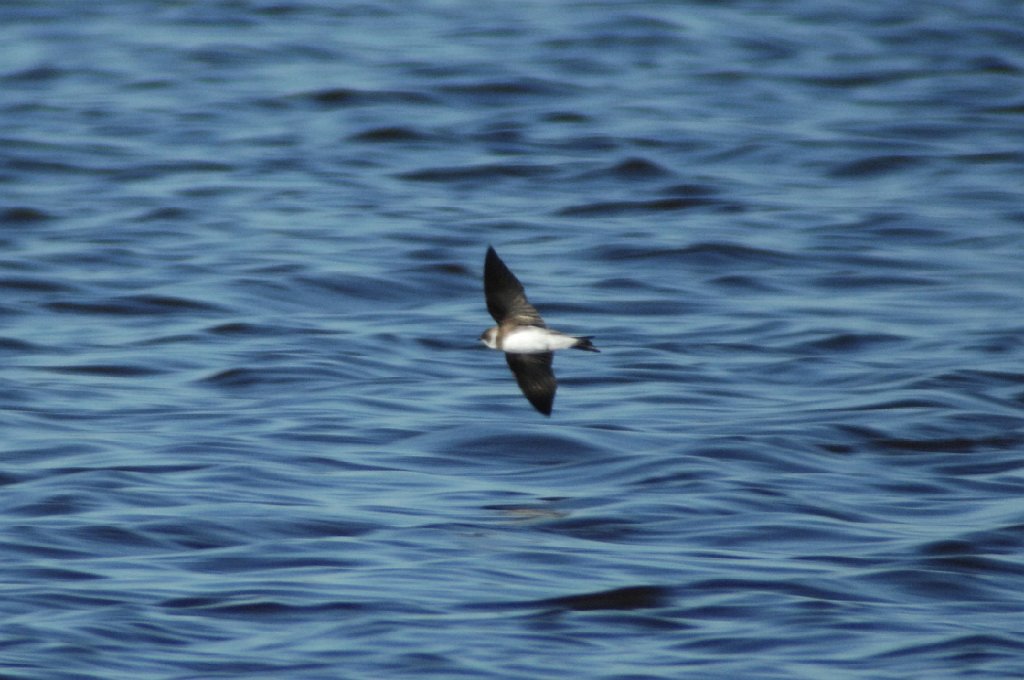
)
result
[(256, 605), (34, 285), (76, 601), (343, 97), (150, 171), (1004, 540), (847, 281), (708, 254), (973, 565), (436, 266), (566, 117), (961, 648), (56, 504), (862, 79), (166, 213), (991, 64), (622, 284), (479, 173), (115, 536), (55, 574), (689, 190), (626, 598), (589, 144), (36, 165), (391, 135), (208, 190), (951, 445), (904, 404), (849, 342), (23, 215), (226, 56), (245, 378), (16, 346), (603, 529), (106, 370), (436, 343), (251, 330), (875, 166), (656, 475), (1015, 108), (36, 74), (506, 91), (1013, 158), (738, 282), (136, 305), (877, 439), (634, 169), (626, 208), (949, 547), (130, 469), (970, 380)]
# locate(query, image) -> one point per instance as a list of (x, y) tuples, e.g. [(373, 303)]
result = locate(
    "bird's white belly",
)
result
[(533, 340)]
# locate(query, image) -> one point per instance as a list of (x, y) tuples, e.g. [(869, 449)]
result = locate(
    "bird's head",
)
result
[(490, 337)]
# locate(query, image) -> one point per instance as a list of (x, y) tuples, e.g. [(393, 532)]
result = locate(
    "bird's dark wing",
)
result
[(506, 299), (533, 373)]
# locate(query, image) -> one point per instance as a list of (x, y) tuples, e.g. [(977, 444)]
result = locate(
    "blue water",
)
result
[(248, 430)]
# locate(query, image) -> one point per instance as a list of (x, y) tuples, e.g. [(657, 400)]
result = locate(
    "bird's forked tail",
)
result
[(583, 342)]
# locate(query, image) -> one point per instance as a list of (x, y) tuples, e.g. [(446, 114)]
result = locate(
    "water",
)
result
[(248, 431)]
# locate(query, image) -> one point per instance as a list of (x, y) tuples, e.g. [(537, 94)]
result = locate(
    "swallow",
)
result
[(521, 333)]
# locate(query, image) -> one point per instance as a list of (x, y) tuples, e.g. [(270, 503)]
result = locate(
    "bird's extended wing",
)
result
[(506, 299), (533, 373)]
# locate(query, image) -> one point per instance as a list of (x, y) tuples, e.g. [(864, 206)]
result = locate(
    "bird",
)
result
[(521, 333)]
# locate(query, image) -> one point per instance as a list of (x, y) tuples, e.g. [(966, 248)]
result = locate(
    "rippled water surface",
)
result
[(248, 430)]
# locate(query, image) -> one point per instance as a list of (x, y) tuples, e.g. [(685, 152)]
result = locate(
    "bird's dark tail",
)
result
[(584, 343)]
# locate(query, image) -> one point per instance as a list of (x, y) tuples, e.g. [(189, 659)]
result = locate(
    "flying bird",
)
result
[(521, 334)]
